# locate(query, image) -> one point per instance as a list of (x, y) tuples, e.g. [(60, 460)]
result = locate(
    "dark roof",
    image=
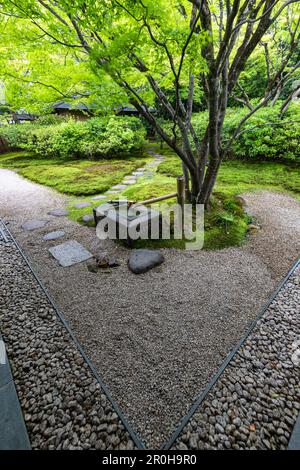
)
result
[(130, 109), (23, 117), (65, 105)]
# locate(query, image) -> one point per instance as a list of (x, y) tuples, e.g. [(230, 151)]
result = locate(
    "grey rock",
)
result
[(58, 212), (54, 235), (81, 205), (98, 198), (87, 218), (34, 224), (119, 186), (143, 260)]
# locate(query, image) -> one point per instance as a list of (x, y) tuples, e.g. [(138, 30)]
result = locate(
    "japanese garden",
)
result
[(149, 226)]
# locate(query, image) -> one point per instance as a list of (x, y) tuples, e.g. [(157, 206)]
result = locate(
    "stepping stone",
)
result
[(34, 224), (119, 186), (58, 212), (112, 191), (140, 169), (128, 182), (143, 260), (54, 235), (81, 205), (98, 198), (70, 253), (137, 173), (87, 218)]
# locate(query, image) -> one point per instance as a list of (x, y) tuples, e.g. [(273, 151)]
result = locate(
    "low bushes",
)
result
[(265, 136), (94, 138)]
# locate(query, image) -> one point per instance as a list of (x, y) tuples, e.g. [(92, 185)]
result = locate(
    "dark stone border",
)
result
[(136, 439), (227, 361), (13, 432), (294, 443)]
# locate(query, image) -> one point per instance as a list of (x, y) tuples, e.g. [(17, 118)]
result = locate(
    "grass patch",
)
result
[(236, 177)]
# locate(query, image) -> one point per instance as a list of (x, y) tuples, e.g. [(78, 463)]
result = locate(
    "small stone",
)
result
[(87, 218), (54, 235), (81, 205), (58, 212), (34, 224), (98, 198), (119, 186)]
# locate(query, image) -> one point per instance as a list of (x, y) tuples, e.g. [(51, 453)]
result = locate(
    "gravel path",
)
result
[(63, 405), (156, 339), (256, 402)]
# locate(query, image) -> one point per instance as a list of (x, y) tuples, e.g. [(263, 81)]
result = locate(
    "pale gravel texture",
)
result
[(255, 403), (157, 338)]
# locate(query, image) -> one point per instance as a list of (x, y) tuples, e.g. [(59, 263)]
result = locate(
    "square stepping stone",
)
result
[(34, 224), (81, 205), (54, 235), (70, 253), (58, 212)]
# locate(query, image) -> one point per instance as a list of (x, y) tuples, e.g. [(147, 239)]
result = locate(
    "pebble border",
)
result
[(117, 418)]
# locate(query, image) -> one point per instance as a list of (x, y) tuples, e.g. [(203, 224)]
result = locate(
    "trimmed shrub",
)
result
[(95, 138)]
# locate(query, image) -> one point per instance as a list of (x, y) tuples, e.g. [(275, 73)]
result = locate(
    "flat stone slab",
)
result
[(87, 218), (138, 173), (112, 191), (129, 182), (81, 205), (119, 186), (58, 212), (34, 224), (70, 253), (54, 235), (143, 260), (98, 198)]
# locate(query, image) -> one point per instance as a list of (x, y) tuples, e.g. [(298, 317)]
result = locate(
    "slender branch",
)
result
[(37, 82)]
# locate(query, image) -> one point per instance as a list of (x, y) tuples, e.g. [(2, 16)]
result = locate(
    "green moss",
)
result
[(236, 177), (72, 176)]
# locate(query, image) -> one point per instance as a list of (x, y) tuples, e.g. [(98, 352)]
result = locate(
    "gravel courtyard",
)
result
[(156, 339)]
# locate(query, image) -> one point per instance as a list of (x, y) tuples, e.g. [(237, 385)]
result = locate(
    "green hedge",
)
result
[(95, 138)]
